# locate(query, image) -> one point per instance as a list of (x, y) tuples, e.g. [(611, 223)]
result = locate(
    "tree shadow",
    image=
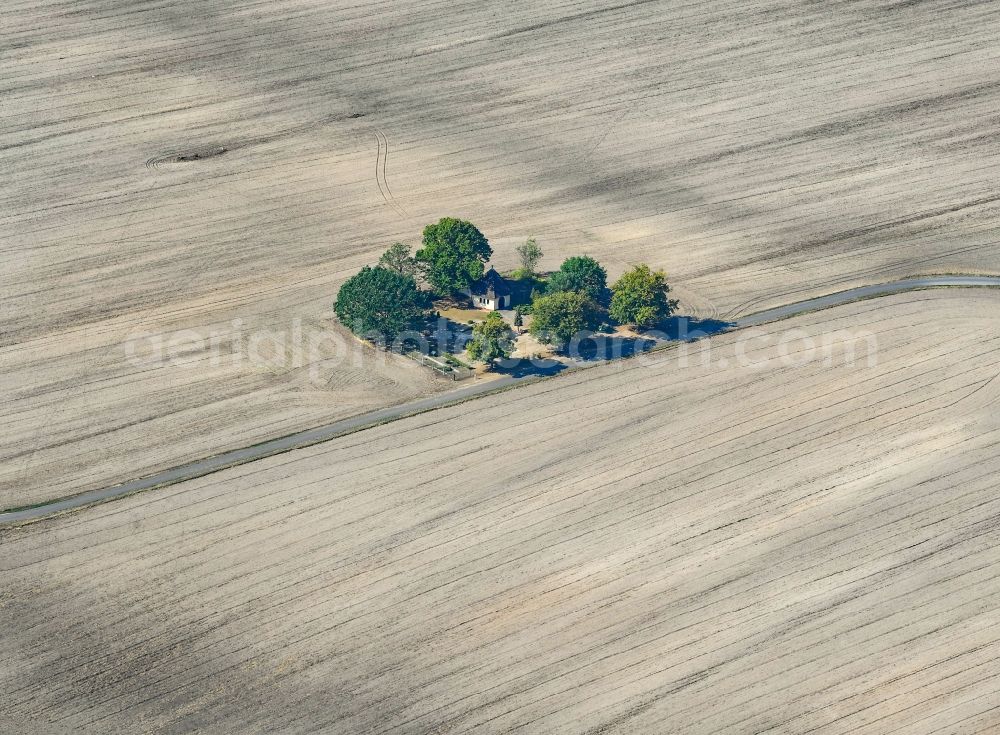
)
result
[(440, 336), (521, 289), (686, 328), (522, 367), (597, 346), (437, 337)]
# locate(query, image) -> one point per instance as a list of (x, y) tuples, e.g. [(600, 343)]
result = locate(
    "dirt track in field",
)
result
[(641, 547), (166, 169)]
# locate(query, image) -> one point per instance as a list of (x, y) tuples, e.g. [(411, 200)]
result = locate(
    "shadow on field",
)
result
[(597, 346), (523, 367), (609, 347), (686, 328)]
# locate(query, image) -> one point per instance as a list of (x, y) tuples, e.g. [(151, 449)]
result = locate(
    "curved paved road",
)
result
[(864, 292), (202, 467)]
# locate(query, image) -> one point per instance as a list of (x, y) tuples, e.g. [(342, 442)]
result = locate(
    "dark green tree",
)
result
[(398, 260), (453, 255), (559, 317), (492, 339), (518, 318), (639, 297), (378, 303), (581, 274)]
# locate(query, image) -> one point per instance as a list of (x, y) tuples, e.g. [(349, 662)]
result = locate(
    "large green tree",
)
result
[(582, 274), (398, 259), (379, 303), (492, 339), (639, 297), (558, 317), (453, 255)]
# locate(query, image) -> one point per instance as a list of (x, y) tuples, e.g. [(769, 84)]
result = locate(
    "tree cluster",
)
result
[(382, 302), (577, 299)]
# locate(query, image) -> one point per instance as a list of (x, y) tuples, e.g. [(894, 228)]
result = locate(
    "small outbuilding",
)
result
[(491, 292)]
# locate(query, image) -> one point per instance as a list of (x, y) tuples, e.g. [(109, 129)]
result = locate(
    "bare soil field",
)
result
[(641, 547), (179, 166)]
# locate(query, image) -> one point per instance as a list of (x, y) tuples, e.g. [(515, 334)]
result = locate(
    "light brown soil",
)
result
[(166, 170), (640, 547)]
